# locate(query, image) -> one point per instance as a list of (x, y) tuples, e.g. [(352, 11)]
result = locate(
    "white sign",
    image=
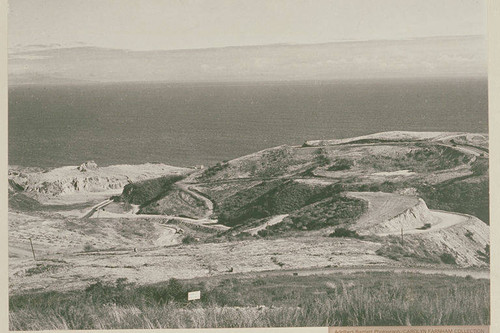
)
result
[(194, 295)]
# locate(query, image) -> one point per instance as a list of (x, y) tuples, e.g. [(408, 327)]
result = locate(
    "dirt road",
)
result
[(204, 222), (443, 220), (274, 220), (477, 274), (192, 190)]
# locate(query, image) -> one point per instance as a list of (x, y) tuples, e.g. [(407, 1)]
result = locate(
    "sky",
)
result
[(193, 24)]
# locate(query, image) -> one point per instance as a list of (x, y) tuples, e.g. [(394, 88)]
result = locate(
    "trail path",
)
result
[(274, 220), (203, 222)]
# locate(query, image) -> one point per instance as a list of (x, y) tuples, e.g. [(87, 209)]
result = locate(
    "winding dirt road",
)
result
[(192, 190), (444, 220)]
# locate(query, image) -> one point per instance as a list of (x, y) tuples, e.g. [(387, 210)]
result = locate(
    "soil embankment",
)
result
[(73, 184)]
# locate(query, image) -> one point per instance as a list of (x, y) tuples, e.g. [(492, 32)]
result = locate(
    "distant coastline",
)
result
[(452, 56)]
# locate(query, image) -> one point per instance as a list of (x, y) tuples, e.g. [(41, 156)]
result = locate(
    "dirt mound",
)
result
[(414, 217)]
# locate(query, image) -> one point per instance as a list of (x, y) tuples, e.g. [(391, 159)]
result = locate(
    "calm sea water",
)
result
[(188, 124)]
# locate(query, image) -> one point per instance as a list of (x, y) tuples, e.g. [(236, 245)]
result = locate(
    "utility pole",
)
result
[(402, 237), (32, 250)]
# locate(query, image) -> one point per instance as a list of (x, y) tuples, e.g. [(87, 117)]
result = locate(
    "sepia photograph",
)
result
[(180, 164)]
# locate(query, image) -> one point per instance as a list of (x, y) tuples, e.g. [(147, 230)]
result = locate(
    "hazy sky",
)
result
[(184, 24)]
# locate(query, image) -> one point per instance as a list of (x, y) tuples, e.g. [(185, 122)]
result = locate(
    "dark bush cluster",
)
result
[(147, 191), (213, 170), (344, 232), (480, 167), (188, 239), (448, 258), (321, 157), (463, 197), (421, 158), (341, 164), (267, 199)]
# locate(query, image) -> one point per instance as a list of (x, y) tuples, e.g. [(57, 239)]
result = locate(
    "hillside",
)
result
[(396, 199)]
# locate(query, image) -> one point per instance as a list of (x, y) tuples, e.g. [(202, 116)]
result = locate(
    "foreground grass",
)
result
[(361, 299)]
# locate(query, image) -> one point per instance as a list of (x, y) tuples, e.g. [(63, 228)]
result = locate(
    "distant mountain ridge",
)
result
[(422, 57)]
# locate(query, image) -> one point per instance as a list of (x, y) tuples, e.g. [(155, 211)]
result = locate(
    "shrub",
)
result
[(341, 164), (276, 262), (321, 158), (480, 167), (426, 226), (41, 268), (469, 234), (188, 239), (213, 170), (448, 258), (344, 232), (88, 247)]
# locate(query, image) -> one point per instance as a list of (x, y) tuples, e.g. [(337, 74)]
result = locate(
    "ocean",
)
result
[(200, 123)]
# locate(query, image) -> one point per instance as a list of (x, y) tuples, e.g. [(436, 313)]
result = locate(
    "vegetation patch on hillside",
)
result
[(271, 198), (461, 196), (422, 158), (213, 170), (233, 205), (144, 192), (336, 210), (177, 203)]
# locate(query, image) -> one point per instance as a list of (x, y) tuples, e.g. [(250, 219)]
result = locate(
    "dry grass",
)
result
[(349, 300)]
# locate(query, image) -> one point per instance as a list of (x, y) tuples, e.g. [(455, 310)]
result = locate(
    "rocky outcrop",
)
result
[(77, 184), (90, 165), (88, 178)]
